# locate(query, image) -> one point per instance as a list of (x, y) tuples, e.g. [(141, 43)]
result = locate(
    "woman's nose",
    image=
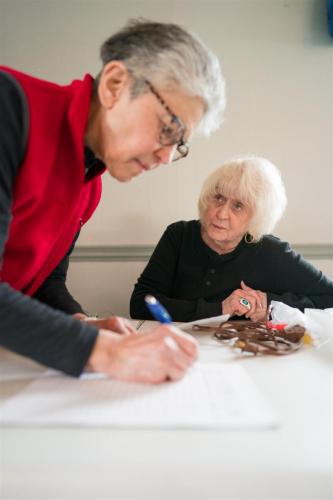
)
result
[(164, 154), (223, 211)]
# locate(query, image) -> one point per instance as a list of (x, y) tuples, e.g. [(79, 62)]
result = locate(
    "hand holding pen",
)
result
[(160, 314), (154, 356), (177, 341)]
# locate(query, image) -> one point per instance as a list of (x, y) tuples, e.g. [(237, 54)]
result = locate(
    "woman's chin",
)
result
[(219, 236), (122, 176)]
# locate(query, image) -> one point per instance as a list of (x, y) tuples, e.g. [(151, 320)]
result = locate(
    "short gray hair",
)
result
[(171, 58), (256, 182)]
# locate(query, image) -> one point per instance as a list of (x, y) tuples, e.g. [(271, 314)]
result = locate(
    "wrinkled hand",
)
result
[(257, 300), (164, 353), (114, 323)]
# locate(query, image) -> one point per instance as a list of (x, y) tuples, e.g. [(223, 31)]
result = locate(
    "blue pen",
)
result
[(157, 310)]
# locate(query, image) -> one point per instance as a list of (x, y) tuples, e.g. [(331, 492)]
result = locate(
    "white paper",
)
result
[(209, 396), (214, 321)]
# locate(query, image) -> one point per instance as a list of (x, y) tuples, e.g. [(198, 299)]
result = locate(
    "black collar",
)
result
[(93, 166)]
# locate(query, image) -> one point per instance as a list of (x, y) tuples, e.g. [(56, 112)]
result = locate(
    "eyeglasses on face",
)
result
[(173, 132)]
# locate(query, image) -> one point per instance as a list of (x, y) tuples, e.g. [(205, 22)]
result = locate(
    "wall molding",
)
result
[(141, 253)]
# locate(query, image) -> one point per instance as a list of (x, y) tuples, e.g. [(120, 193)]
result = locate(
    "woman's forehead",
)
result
[(231, 192)]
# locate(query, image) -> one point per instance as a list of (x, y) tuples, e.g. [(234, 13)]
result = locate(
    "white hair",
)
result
[(254, 181), (173, 59)]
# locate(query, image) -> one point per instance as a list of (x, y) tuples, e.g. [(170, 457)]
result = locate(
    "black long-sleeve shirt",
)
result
[(27, 325), (191, 280)]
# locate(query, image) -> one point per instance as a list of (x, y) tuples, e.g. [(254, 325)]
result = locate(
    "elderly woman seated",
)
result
[(227, 262)]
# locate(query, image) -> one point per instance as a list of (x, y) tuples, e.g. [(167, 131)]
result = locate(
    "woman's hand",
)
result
[(257, 303), (232, 305), (164, 353), (113, 323)]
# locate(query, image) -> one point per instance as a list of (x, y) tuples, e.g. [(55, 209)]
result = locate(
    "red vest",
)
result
[(50, 198)]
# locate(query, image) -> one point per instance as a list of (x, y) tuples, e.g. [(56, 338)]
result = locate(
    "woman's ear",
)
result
[(113, 80)]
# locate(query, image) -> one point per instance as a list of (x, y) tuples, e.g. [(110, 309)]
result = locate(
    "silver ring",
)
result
[(245, 303)]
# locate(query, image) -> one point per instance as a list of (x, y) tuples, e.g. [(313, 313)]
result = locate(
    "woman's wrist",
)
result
[(100, 359)]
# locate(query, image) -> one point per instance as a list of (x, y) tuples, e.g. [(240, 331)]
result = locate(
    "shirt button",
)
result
[(208, 283)]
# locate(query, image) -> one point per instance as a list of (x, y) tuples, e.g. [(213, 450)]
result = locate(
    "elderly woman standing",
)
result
[(226, 262), (157, 85)]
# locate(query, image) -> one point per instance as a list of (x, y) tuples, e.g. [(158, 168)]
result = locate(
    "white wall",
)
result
[(277, 59)]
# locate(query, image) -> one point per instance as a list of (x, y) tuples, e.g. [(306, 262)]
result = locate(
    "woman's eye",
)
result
[(167, 131), (238, 206), (219, 199)]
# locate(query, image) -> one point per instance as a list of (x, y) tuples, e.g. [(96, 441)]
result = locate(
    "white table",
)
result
[(292, 462)]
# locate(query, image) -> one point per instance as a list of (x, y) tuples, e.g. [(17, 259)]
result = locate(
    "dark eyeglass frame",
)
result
[(181, 146)]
